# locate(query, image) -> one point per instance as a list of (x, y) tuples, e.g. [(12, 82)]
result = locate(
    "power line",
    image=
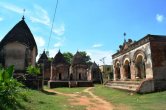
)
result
[(52, 24)]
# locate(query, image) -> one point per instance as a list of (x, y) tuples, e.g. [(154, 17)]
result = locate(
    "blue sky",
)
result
[(94, 26)]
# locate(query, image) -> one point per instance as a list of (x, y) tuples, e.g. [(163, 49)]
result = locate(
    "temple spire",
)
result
[(23, 14), (124, 37)]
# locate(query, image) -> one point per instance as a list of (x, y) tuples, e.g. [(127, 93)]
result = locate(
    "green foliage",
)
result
[(6, 74), (87, 57), (9, 89), (50, 59), (68, 56), (33, 70)]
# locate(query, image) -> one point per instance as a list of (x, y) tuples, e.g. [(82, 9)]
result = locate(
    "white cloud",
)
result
[(12, 8), (96, 55), (40, 15), (40, 41), (1, 19), (97, 45), (160, 17), (59, 30), (36, 14), (53, 52), (60, 42)]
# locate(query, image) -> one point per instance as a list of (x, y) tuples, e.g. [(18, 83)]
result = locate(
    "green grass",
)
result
[(122, 100), (38, 100), (70, 90), (153, 101)]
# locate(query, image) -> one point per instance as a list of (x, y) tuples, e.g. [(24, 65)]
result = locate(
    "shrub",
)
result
[(9, 89), (33, 70)]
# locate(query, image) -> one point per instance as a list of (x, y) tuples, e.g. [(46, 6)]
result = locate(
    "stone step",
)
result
[(125, 82), (123, 88), (124, 85)]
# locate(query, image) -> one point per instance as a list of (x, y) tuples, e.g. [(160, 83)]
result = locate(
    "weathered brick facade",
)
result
[(18, 48), (142, 60), (65, 74)]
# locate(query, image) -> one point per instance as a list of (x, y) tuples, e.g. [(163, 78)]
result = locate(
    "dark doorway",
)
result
[(60, 76), (71, 76), (79, 76)]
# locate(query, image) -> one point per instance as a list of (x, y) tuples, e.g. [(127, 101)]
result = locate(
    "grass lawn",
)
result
[(122, 100), (70, 90), (153, 101), (38, 100)]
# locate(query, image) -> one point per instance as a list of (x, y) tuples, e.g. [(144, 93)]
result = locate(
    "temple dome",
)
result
[(94, 66), (78, 59), (20, 33), (43, 57), (59, 59)]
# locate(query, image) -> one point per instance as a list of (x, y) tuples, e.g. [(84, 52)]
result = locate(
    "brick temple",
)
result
[(140, 66)]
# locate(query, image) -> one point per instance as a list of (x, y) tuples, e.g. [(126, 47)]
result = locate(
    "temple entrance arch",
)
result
[(140, 67), (117, 70), (127, 72), (79, 76), (60, 76)]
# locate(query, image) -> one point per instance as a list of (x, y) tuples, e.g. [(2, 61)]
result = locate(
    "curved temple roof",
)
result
[(78, 59), (59, 58), (20, 33), (43, 57)]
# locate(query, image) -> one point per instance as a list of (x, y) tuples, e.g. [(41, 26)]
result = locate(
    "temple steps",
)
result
[(124, 85)]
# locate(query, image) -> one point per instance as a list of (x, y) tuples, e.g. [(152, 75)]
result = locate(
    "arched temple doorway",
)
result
[(60, 76), (127, 72), (140, 67), (71, 76), (117, 71), (79, 76)]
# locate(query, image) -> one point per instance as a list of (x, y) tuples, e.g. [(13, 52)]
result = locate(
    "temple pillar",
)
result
[(122, 73), (51, 77), (133, 71)]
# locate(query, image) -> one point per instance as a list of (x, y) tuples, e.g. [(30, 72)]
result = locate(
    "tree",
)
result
[(68, 56), (87, 57)]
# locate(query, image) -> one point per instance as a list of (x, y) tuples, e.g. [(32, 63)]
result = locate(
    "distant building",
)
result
[(60, 68), (45, 66), (69, 75), (18, 48), (140, 66), (107, 71), (95, 74), (78, 68)]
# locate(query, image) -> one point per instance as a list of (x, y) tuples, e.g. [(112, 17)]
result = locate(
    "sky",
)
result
[(94, 26)]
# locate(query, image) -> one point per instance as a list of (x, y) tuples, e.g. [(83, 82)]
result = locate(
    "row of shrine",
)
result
[(59, 72), (19, 48)]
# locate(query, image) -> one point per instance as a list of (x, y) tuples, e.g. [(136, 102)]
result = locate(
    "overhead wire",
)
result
[(52, 25)]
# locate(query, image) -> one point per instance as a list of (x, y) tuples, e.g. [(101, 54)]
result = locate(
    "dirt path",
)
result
[(91, 101)]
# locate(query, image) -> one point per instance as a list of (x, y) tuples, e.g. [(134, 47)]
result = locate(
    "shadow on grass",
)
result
[(47, 93)]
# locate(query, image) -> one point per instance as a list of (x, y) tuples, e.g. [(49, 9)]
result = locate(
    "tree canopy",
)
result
[(87, 57), (68, 56)]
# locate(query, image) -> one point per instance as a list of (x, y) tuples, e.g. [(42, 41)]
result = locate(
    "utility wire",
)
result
[(52, 24)]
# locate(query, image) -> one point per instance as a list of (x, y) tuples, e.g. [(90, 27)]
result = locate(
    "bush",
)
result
[(33, 70), (9, 89)]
